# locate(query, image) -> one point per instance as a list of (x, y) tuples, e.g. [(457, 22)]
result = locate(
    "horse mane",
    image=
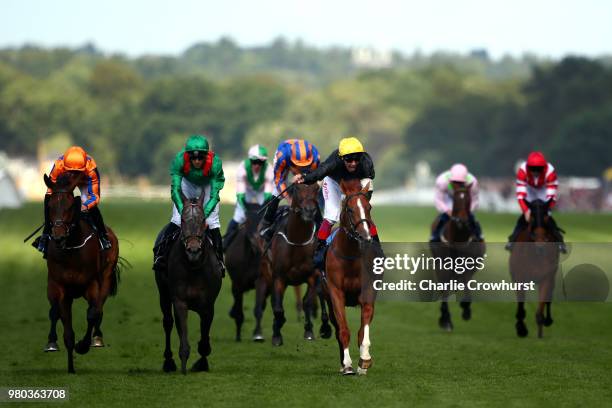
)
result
[(352, 186)]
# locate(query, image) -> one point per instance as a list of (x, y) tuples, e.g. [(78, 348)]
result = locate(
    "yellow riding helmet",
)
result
[(350, 145), (75, 159)]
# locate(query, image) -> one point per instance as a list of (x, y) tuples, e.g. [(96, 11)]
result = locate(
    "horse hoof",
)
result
[(365, 364), (51, 347), (548, 321), (200, 365), (169, 366), (238, 339), (258, 338), (362, 371), (325, 331), (348, 371), (446, 325), (97, 341), (309, 335), (521, 329), (81, 347), (467, 314), (277, 340)]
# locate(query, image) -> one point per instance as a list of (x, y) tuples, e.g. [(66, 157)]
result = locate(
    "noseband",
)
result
[(68, 225), (199, 235)]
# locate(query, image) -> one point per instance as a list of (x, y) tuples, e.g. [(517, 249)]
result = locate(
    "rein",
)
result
[(309, 241), (352, 232)]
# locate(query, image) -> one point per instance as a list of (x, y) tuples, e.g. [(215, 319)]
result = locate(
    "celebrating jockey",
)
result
[(254, 184), (457, 176), (194, 168), (348, 161), (293, 155), (536, 179), (78, 161)]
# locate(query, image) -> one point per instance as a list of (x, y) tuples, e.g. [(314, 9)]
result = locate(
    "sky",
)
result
[(543, 27)]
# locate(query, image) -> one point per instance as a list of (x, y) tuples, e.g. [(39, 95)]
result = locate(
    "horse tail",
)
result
[(121, 264)]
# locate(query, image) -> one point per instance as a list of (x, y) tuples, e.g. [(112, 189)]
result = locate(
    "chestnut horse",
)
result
[(535, 257), (76, 267), (349, 275), (457, 241), (289, 261), (191, 282)]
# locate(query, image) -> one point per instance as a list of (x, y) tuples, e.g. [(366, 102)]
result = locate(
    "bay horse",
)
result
[(349, 273), (192, 281), (289, 261), (242, 259), (535, 257), (77, 266), (457, 241)]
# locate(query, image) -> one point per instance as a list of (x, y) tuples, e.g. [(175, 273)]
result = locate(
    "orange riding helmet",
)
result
[(75, 159)]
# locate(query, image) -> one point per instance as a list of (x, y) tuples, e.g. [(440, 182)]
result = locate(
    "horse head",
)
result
[(462, 201), (63, 206), (304, 201), (355, 216), (193, 227), (538, 232)]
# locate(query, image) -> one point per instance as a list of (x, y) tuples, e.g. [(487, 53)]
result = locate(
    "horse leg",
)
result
[(466, 305), (365, 360), (342, 334), (299, 302), (261, 294), (65, 306), (206, 317), (308, 309), (325, 331), (236, 312), (97, 339), (548, 319), (445, 322), (279, 312), (93, 316), (521, 328), (180, 317), (54, 315), (166, 307)]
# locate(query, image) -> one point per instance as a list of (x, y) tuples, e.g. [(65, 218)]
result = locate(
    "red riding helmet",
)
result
[(536, 159)]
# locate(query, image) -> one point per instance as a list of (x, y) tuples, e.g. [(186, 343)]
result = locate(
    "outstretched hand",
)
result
[(299, 178)]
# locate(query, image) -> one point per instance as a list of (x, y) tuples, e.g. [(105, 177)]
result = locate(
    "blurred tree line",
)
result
[(134, 114)]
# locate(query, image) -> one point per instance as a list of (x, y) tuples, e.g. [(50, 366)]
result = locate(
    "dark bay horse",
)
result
[(290, 261), (76, 267), (457, 241), (535, 257), (349, 282), (192, 281), (242, 259)]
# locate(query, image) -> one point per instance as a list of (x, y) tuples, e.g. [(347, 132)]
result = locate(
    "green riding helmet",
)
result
[(196, 143)]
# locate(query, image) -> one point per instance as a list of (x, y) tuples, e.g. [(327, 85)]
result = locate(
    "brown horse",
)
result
[(349, 281), (457, 241), (535, 257), (76, 267), (289, 261)]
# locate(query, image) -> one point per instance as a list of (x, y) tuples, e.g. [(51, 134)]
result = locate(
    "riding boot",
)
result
[(163, 243), (215, 235), (520, 224), (42, 242), (96, 216), (475, 225), (319, 256), (437, 232), (266, 229), (557, 233), (230, 233)]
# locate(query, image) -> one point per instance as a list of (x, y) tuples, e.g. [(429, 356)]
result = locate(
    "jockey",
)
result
[(349, 161), (76, 160), (254, 184), (536, 179), (457, 176), (293, 155), (194, 168)]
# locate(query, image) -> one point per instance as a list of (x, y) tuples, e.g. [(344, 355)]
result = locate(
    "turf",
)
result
[(482, 363)]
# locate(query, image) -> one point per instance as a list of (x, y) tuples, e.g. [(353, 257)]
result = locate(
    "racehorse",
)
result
[(76, 267), (289, 260), (192, 281), (457, 241), (349, 273), (535, 257)]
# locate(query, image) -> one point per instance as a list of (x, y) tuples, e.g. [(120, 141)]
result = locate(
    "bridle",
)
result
[(352, 231), (199, 232), (69, 226)]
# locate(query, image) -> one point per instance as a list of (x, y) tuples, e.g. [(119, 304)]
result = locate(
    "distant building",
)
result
[(10, 197), (367, 57)]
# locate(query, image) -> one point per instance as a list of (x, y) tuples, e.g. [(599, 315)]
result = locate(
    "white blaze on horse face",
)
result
[(363, 217), (364, 349), (347, 362)]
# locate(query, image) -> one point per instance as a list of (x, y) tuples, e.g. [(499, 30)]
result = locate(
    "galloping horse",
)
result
[(457, 241), (191, 282), (535, 257), (290, 260), (349, 281), (76, 267), (242, 258)]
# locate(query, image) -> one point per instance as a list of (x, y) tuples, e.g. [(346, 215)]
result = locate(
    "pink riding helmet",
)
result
[(458, 173)]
